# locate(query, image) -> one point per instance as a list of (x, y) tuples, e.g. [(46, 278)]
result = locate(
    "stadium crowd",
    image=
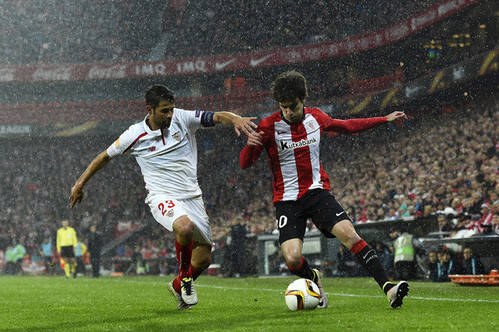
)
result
[(206, 27), (54, 31), (432, 165), (49, 31)]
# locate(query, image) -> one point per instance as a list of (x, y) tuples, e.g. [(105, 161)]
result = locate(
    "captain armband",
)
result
[(207, 119)]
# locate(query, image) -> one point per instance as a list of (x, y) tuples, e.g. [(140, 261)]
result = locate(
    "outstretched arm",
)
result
[(251, 152), (240, 124), (357, 125), (77, 190)]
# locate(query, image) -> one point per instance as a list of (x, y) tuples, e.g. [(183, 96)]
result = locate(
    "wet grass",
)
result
[(244, 304)]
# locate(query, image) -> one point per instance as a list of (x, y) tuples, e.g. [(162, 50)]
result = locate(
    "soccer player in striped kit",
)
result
[(291, 137), (164, 145)]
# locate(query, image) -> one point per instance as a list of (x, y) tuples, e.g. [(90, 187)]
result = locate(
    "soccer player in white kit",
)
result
[(164, 145)]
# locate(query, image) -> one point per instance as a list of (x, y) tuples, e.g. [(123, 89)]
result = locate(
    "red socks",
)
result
[(184, 253), (303, 270), (192, 272), (185, 270), (358, 246), (369, 260)]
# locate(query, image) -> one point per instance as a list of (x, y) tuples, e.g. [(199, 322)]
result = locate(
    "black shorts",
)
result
[(67, 251), (318, 205)]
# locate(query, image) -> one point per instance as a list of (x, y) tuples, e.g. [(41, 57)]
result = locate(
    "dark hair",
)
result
[(289, 85), (156, 93)]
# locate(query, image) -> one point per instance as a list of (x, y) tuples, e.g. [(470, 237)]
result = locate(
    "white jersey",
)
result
[(167, 157)]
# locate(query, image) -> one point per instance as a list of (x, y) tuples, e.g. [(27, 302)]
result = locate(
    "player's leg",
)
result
[(291, 222), (173, 214), (184, 242), (184, 229), (297, 264), (201, 259), (367, 257), (332, 220)]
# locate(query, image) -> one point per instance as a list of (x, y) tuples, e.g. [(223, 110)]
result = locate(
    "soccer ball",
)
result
[(302, 294)]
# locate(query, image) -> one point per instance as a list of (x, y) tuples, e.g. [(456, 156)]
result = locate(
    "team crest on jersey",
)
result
[(311, 125), (170, 213), (177, 136)]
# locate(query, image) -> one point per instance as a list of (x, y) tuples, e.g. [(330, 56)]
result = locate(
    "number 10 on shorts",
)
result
[(282, 221)]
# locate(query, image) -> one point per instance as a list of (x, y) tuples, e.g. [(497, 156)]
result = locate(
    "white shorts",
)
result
[(166, 210)]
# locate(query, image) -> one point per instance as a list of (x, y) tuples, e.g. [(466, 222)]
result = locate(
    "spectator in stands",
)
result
[(238, 248), (447, 265), (94, 249), (30, 214), (432, 266), (443, 224), (80, 252), (405, 246), (385, 255), (11, 260), (46, 253), (485, 221), (347, 266), (19, 252), (471, 264)]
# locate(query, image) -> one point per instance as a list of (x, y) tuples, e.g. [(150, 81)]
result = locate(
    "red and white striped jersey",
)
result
[(293, 150)]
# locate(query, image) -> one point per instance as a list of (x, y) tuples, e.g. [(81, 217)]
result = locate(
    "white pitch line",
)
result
[(363, 296), (154, 283)]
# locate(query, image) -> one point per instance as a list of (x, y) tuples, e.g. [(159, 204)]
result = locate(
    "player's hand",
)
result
[(255, 138), (245, 125), (396, 116), (76, 195)]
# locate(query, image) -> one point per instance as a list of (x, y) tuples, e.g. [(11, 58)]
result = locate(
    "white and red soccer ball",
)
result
[(302, 294)]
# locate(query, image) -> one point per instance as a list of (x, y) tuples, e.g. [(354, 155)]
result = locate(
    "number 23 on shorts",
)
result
[(163, 207)]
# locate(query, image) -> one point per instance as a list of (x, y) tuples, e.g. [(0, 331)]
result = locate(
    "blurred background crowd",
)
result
[(432, 165), (50, 31), (441, 163)]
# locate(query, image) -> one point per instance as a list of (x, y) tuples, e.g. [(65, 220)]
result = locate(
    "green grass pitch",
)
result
[(243, 304)]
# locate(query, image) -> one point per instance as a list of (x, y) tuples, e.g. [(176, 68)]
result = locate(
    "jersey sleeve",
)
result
[(195, 119), (124, 143), (353, 125), (250, 154), (321, 117)]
